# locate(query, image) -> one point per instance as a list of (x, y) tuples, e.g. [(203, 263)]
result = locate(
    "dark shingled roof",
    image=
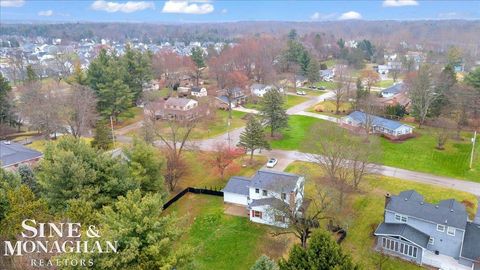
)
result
[(274, 202), (471, 243), (238, 185), (14, 153), (448, 212), (275, 181), (404, 231), (394, 89)]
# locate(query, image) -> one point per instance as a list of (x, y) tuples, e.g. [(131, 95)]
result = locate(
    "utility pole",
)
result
[(113, 134), (473, 149)]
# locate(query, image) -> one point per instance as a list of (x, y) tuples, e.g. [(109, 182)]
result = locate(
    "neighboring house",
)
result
[(264, 194), (300, 80), (238, 97), (327, 74), (382, 69), (438, 235), (151, 86), (393, 90), (259, 90), (394, 65), (199, 91), (378, 125), (183, 90), (174, 108), (14, 154)]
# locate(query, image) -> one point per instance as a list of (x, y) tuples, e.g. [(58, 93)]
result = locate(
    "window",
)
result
[(401, 218), (279, 218), (256, 214), (257, 190), (451, 231), (431, 241), (440, 228), (264, 192), (284, 196), (405, 249)]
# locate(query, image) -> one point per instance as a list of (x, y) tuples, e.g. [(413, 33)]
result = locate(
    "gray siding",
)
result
[(444, 243), (417, 259)]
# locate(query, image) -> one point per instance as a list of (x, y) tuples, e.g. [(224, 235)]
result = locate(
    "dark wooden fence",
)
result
[(206, 191)]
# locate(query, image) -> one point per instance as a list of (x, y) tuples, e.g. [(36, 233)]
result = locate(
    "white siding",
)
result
[(229, 197)]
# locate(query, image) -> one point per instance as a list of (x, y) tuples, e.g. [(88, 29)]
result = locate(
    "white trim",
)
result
[(448, 231)]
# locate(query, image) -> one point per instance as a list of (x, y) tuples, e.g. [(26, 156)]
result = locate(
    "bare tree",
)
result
[(79, 111), (422, 93), (369, 108), (443, 131), (301, 222), (370, 77), (462, 104), (344, 159), (343, 86), (41, 105)]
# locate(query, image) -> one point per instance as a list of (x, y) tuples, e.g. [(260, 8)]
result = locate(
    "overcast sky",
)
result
[(228, 10)]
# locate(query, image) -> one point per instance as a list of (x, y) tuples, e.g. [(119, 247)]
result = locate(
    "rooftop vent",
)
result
[(436, 206)]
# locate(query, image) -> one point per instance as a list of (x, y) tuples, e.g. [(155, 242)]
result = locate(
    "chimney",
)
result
[(388, 197)]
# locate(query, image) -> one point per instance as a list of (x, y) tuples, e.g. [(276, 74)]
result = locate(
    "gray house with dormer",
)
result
[(438, 235)]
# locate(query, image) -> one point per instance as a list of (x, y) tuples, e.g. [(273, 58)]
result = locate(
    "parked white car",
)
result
[(301, 93), (272, 162)]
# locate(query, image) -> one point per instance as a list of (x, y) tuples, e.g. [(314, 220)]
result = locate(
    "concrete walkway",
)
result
[(320, 116)]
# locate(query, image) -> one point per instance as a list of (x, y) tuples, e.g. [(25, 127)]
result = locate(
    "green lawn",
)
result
[(327, 85), (328, 108), (364, 210), (220, 241), (384, 83), (417, 154), (220, 125), (296, 133), (290, 101), (129, 117), (330, 63)]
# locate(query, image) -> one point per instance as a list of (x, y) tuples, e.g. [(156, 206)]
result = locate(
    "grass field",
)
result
[(418, 154), (219, 125), (363, 210), (384, 83), (221, 241), (129, 117), (327, 85), (328, 108), (290, 101)]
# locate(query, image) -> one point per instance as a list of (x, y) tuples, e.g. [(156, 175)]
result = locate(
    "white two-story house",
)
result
[(266, 195), (438, 235)]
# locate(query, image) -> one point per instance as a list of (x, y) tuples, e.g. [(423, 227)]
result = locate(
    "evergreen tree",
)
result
[(31, 75), (71, 169), (146, 167), (473, 79), (304, 62), (313, 71), (138, 68), (28, 178), (103, 136), (253, 137), (197, 58), (107, 77), (22, 205), (322, 253), (145, 237), (6, 113), (264, 263), (273, 112)]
